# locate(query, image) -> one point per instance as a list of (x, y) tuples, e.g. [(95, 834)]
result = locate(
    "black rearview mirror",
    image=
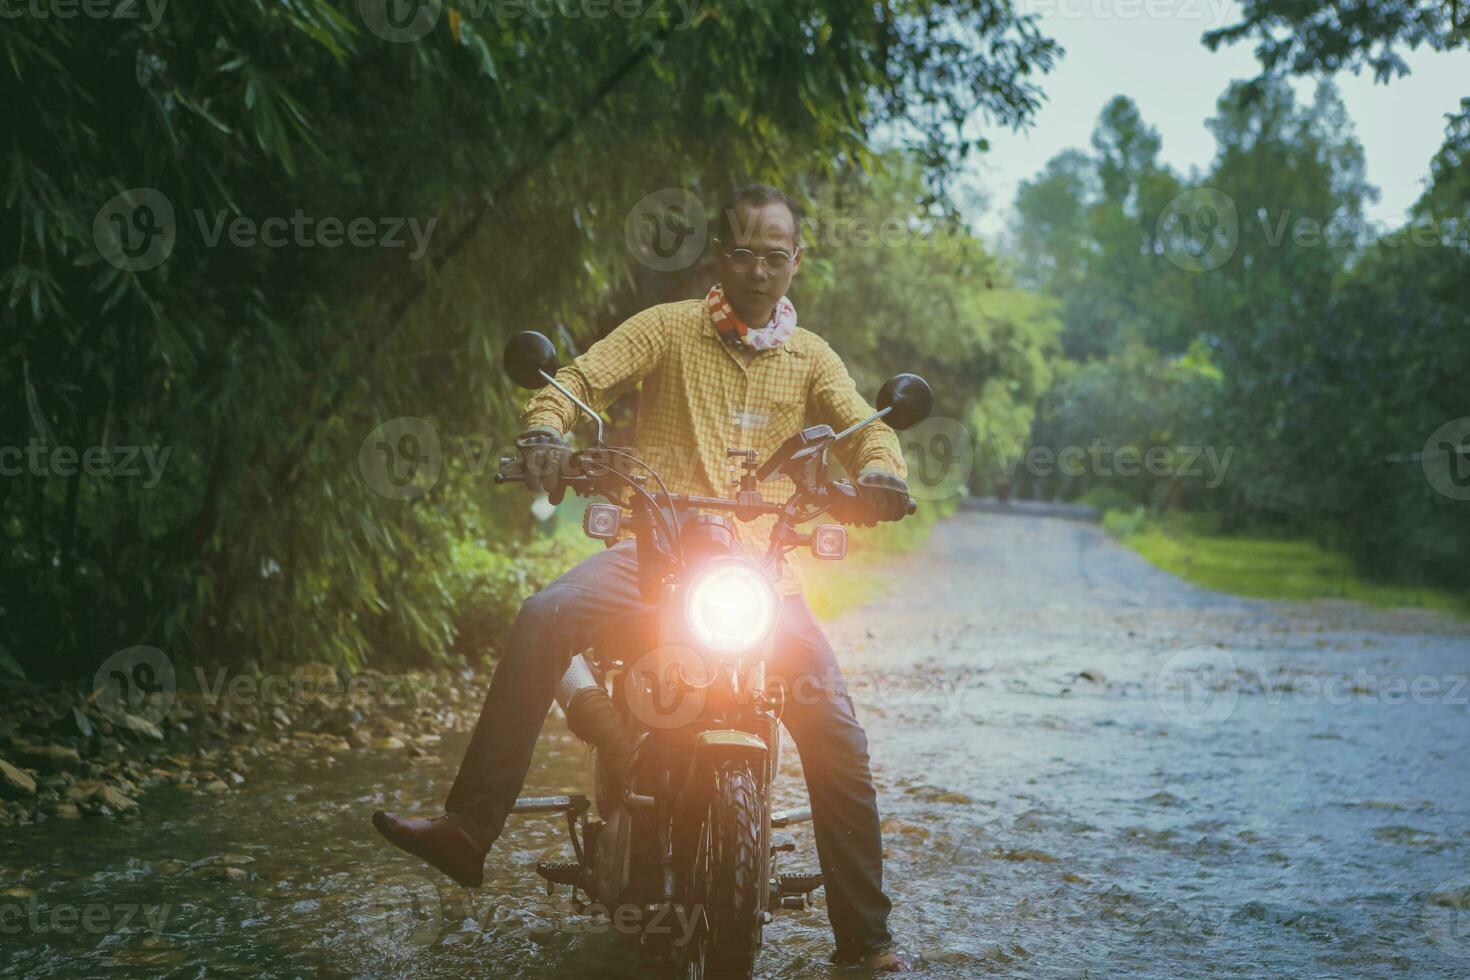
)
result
[(527, 356), (908, 400)]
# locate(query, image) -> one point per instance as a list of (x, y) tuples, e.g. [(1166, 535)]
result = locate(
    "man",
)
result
[(732, 370)]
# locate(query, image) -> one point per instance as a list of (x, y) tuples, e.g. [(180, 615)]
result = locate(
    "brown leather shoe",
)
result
[(441, 842), (887, 958)]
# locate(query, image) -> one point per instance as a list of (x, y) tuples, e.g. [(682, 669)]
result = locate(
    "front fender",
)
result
[(714, 747)]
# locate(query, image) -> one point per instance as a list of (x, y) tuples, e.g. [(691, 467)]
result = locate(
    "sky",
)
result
[(1149, 50)]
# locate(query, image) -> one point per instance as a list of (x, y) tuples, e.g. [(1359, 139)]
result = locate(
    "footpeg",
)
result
[(782, 819), (575, 805), (798, 884), (563, 873)]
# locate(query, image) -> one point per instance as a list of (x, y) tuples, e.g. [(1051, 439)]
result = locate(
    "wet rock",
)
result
[(48, 758), (111, 799), (142, 727), (387, 742), (216, 786), (1024, 854), (74, 722), (938, 794), (219, 872), (81, 791), (1409, 836), (167, 868), (14, 783), (64, 811)]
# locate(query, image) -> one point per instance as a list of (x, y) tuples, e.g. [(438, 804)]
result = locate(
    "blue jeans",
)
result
[(562, 620)]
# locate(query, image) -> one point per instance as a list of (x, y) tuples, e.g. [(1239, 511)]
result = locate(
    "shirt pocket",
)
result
[(776, 420)]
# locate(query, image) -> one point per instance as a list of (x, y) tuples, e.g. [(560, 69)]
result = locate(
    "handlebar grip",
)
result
[(912, 507)]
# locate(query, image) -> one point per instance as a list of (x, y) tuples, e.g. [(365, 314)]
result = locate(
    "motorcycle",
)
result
[(684, 835)]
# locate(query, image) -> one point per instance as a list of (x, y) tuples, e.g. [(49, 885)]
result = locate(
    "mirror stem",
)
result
[(575, 401), (867, 421)]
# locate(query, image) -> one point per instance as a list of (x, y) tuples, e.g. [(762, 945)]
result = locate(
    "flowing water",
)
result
[(1084, 767)]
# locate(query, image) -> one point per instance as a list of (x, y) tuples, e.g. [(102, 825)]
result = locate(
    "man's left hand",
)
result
[(881, 497)]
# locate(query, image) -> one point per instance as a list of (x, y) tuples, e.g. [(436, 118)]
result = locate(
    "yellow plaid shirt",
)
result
[(700, 398)]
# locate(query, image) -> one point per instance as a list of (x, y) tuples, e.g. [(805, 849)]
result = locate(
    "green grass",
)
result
[(1190, 546)]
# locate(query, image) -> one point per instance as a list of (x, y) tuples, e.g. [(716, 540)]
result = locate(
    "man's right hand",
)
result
[(544, 457)]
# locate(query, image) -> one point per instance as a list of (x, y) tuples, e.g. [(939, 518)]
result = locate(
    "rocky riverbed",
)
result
[(67, 754), (1084, 767)]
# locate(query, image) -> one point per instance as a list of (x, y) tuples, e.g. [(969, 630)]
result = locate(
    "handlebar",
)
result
[(512, 470)]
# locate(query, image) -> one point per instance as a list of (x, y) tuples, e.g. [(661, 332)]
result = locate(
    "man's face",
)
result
[(753, 289)]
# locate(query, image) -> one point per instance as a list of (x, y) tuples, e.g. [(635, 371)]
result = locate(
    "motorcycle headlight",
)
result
[(731, 606)]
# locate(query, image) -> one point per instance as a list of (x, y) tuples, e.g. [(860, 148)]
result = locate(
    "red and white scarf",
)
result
[(781, 325)]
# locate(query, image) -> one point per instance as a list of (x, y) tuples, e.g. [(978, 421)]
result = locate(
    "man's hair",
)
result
[(757, 195)]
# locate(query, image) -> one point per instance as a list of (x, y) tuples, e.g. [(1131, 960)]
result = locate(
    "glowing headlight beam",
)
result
[(731, 606)]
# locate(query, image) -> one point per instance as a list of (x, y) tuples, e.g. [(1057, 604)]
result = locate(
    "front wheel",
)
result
[(727, 880)]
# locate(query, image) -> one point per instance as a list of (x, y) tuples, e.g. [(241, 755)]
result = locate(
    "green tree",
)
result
[(263, 370)]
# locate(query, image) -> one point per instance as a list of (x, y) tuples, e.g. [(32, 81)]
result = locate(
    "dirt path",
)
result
[(1087, 764)]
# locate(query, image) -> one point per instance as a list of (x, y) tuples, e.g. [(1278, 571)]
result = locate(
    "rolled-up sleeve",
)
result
[(836, 401)]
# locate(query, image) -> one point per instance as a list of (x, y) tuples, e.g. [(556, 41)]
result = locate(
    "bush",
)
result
[(1106, 499), (1125, 524)]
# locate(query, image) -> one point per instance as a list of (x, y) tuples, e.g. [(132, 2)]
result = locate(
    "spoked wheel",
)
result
[(726, 881)]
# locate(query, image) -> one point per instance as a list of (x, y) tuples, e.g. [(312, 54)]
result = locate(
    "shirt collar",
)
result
[(798, 343)]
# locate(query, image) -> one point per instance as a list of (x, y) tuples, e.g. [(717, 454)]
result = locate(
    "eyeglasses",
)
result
[(776, 260)]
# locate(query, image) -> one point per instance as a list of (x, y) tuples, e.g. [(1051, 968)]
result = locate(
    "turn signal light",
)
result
[(602, 521), (829, 542)]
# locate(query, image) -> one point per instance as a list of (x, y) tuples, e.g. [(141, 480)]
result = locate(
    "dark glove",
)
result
[(880, 497), (544, 457)]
